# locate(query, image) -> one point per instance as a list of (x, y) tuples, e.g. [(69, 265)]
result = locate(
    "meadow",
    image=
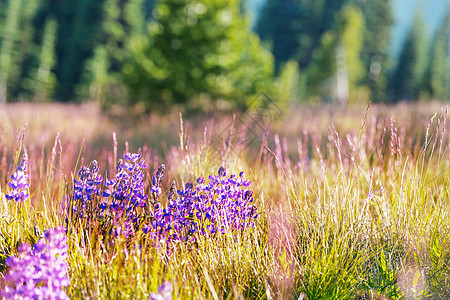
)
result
[(317, 202)]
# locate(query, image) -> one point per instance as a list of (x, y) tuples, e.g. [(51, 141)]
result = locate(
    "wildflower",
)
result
[(86, 187), (222, 171), (41, 272), (164, 292), (126, 190), (124, 193), (156, 182), (19, 182), (172, 190), (223, 204)]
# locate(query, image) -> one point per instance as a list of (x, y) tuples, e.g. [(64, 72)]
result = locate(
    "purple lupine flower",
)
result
[(19, 182), (164, 292), (172, 190), (116, 206), (222, 171), (126, 190), (220, 205), (123, 195), (156, 183), (39, 272), (85, 187)]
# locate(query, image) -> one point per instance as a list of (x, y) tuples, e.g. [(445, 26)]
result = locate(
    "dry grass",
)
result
[(353, 204)]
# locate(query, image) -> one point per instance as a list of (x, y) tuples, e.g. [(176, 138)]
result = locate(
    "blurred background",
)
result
[(154, 55)]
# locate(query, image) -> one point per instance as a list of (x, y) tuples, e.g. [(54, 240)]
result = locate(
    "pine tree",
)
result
[(337, 69), (322, 71), (103, 79), (438, 71), (351, 32), (408, 77), (9, 38), (45, 79), (197, 47), (317, 17), (294, 28), (79, 22), (278, 26), (23, 47), (379, 19)]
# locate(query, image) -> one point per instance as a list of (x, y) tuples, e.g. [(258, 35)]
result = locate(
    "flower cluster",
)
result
[(19, 182), (125, 192), (39, 272), (222, 205), (86, 187), (116, 206)]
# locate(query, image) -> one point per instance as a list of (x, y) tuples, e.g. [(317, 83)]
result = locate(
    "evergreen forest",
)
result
[(160, 53)]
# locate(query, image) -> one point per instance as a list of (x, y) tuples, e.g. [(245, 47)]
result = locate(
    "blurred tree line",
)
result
[(342, 46), (164, 52)]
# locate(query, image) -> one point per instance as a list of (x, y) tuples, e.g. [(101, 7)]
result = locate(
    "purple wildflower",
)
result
[(85, 187), (220, 205), (19, 182), (156, 182), (164, 292), (41, 272), (222, 171), (126, 191), (123, 195), (172, 190)]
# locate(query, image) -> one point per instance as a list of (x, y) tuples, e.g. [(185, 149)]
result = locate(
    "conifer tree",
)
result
[(337, 69), (23, 48), (408, 77), (379, 19), (8, 39), (44, 78), (437, 78), (279, 26), (79, 23), (194, 48), (351, 32), (317, 17), (121, 22)]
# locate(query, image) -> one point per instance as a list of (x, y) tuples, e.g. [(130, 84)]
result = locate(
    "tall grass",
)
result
[(352, 204)]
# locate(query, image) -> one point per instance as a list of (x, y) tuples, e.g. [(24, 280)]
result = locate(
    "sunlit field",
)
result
[(319, 202)]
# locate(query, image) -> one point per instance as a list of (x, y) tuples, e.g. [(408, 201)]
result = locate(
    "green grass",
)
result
[(352, 204)]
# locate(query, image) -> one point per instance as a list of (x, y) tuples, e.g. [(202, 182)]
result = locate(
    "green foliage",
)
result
[(323, 68), (294, 29), (279, 25), (45, 79), (337, 70), (287, 84), (379, 19), (437, 78), (197, 47), (168, 51), (79, 23), (103, 76), (317, 18), (383, 274), (9, 38), (351, 31), (408, 77)]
